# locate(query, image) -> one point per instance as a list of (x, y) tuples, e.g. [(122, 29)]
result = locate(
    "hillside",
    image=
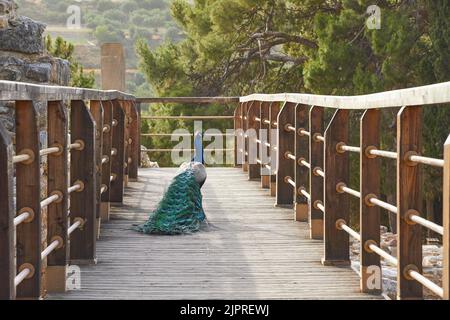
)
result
[(102, 21)]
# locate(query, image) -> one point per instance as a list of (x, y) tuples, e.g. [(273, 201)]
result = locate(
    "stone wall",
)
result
[(23, 58)]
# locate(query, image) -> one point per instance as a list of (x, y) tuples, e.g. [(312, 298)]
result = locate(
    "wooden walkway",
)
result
[(253, 250)]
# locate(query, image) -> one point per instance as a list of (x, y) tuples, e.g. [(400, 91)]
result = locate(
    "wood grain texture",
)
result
[(135, 145), (244, 125), (97, 111), (118, 143), (7, 229), (238, 145), (253, 127), (83, 168), (251, 251), (336, 204), (264, 150), (28, 181), (316, 183), (409, 250), (58, 181), (274, 110), (285, 166), (369, 184), (301, 152), (106, 148)]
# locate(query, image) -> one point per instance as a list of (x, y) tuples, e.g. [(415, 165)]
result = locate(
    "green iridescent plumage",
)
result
[(180, 210)]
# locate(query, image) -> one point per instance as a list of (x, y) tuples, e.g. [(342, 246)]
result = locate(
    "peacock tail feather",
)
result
[(180, 210)]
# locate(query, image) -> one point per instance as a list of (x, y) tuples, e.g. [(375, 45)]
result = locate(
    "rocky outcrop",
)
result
[(22, 35), (23, 59)]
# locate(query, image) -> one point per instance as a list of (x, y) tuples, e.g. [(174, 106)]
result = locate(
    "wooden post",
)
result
[(245, 107), (106, 152), (285, 165), (274, 110), (7, 229), (57, 225), (316, 181), (237, 136), (371, 277), (97, 112), (253, 127), (139, 126), (446, 222), (409, 248), (117, 160), (126, 109), (336, 204), (135, 143), (264, 151), (28, 182), (301, 152), (83, 168)]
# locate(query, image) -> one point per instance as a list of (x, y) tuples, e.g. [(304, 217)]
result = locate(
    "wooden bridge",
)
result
[(297, 249)]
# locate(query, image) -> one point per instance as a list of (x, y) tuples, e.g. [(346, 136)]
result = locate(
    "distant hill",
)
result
[(102, 21)]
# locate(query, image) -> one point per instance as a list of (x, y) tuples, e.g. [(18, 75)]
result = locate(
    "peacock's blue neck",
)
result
[(198, 148)]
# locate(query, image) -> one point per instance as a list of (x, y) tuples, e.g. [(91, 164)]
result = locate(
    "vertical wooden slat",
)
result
[(244, 111), (254, 169), (7, 229), (134, 142), (118, 143), (126, 109), (316, 182), (264, 151), (409, 254), (286, 144), (97, 112), (139, 126), (238, 138), (274, 110), (106, 167), (369, 215), (301, 152), (336, 204), (57, 181), (28, 184), (83, 168), (446, 222)]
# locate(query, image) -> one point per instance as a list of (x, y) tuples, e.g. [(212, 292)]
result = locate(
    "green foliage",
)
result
[(64, 50), (237, 47)]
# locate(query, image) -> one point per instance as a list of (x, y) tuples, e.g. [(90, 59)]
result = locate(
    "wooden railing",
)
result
[(93, 147), (186, 100), (308, 165)]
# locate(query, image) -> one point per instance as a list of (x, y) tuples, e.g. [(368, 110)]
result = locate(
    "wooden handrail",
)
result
[(94, 131), (189, 100), (21, 91), (322, 164)]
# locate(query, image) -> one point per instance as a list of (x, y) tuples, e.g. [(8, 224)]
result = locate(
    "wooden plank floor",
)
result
[(253, 250)]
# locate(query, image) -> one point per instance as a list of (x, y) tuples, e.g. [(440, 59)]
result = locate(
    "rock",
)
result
[(25, 36), (432, 261), (39, 72)]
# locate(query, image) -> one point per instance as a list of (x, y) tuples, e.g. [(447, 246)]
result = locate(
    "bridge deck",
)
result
[(255, 251)]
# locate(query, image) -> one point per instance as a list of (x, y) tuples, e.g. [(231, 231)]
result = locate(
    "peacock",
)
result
[(180, 210)]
